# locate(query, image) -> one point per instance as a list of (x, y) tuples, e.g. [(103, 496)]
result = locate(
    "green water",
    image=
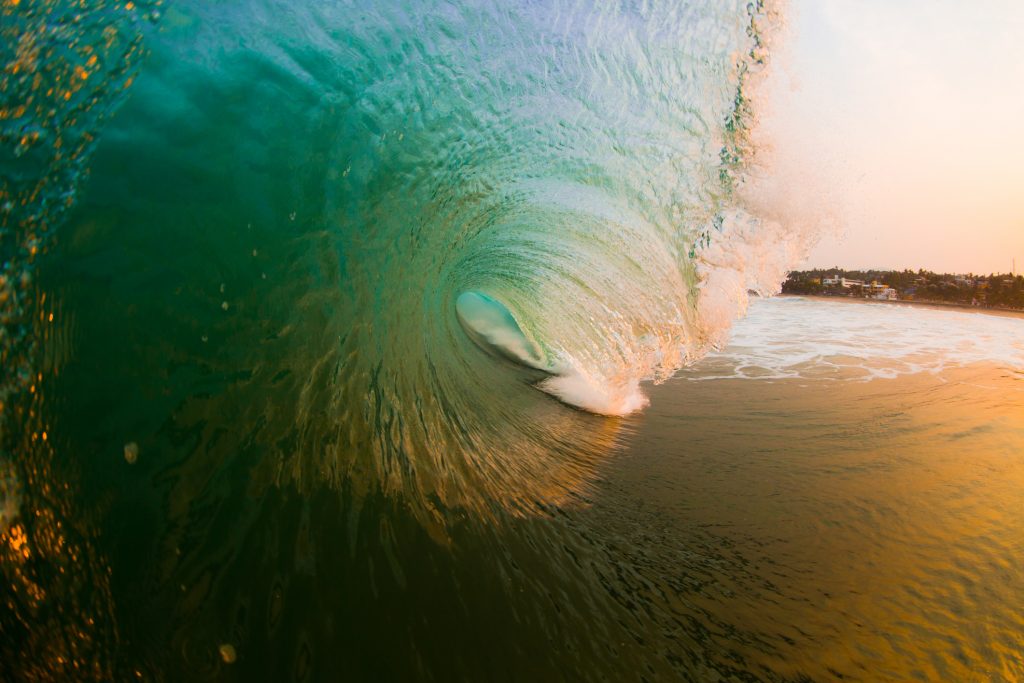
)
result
[(246, 436)]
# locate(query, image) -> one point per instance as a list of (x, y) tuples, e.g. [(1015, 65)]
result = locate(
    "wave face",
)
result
[(568, 161), (301, 197)]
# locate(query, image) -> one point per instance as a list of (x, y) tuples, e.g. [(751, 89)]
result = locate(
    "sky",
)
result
[(906, 120)]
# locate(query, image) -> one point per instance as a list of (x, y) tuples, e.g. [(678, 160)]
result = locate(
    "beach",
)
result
[(911, 302)]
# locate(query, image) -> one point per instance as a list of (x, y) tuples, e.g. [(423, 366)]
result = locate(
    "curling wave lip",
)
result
[(492, 326)]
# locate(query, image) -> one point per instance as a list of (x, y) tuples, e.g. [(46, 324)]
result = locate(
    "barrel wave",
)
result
[(413, 261), (350, 217), (328, 337)]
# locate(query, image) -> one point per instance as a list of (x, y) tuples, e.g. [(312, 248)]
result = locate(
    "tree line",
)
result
[(995, 290)]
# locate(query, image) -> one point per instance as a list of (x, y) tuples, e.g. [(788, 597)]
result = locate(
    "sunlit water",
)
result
[(334, 363), (792, 527)]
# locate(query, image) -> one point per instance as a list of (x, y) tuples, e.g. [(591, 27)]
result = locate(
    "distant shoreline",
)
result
[(1005, 312)]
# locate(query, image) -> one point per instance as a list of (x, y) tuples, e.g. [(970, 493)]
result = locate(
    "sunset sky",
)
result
[(911, 115)]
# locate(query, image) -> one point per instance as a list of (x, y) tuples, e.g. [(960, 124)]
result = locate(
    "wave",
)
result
[(66, 69), (398, 198), (860, 341)]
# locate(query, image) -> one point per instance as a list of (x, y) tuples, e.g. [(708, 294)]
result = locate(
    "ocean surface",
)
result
[(394, 341)]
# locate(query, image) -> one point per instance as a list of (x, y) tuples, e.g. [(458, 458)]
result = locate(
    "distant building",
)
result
[(878, 290), (836, 281), (886, 294)]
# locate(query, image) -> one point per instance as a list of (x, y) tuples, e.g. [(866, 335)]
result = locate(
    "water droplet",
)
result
[(227, 653)]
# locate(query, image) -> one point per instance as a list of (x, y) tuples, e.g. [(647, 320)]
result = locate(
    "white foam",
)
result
[(493, 326), (575, 388), (793, 337)]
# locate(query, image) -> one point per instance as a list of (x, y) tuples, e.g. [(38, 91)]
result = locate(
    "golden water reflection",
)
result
[(875, 529)]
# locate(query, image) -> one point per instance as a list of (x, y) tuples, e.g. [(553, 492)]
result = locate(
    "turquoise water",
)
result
[(328, 332), (290, 201)]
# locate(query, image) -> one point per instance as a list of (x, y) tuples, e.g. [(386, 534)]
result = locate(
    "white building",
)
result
[(836, 281), (878, 290), (885, 294)]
